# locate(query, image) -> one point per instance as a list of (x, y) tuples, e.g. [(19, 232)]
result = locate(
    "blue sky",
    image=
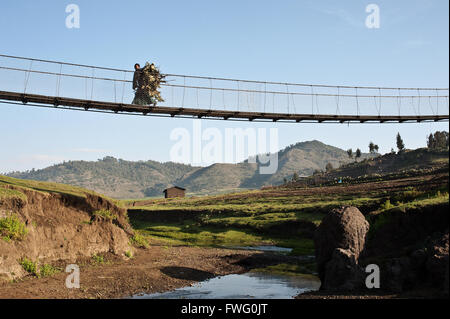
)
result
[(320, 42)]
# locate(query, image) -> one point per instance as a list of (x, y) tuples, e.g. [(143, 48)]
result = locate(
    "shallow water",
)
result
[(245, 286), (268, 248)]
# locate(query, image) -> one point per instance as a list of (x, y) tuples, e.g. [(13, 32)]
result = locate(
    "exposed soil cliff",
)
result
[(60, 226)]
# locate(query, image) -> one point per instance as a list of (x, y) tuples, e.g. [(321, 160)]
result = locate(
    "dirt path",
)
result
[(156, 269)]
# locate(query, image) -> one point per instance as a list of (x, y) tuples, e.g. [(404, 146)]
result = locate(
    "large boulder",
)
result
[(438, 262), (342, 272), (339, 241), (424, 267), (399, 274)]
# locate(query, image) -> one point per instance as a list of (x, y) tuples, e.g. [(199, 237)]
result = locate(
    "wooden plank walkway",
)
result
[(210, 114)]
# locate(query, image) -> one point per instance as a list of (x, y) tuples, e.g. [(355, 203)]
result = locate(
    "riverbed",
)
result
[(253, 284), (259, 285)]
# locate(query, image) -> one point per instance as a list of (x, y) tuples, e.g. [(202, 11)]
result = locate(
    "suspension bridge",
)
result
[(70, 86)]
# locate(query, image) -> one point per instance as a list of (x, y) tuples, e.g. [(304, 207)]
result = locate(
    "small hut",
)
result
[(173, 192)]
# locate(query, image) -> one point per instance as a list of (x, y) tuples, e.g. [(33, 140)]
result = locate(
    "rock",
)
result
[(418, 258), (342, 272), (446, 279), (422, 268), (398, 275), (400, 231), (344, 228), (438, 262)]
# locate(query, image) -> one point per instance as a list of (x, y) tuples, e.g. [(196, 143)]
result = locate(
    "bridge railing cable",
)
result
[(210, 93), (209, 88)]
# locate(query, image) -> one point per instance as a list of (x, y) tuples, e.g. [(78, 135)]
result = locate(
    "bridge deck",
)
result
[(212, 114)]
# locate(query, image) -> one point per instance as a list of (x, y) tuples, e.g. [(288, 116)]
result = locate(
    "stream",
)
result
[(253, 284)]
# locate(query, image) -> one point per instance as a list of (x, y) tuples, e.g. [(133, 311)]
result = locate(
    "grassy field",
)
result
[(192, 233), (42, 187), (284, 217), (10, 193)]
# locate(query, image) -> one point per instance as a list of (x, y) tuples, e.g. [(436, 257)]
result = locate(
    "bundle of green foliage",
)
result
[(151, 79)]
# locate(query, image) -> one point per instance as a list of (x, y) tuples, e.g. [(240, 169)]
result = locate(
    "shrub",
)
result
[(29, 266), (12, 227), (105, 214), (379, 221), (47, 270), (98, 259), (387, 205), (129, 254), (139, 241)]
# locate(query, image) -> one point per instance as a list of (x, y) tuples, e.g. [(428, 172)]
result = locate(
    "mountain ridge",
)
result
[(119, 178)]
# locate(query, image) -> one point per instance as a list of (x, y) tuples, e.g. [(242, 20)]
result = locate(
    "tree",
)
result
[(358, 154), (441, 139), (400, 144), (371, 147), (350, 153), (329, 167), (295, 177), (430, 141), (438, 140)]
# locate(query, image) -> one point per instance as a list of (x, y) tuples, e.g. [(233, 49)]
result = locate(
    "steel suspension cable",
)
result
[(218, 78)]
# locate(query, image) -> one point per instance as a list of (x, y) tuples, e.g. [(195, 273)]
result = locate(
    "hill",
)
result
[(45, 223), (393, 165), (113, 177), (127, 179)]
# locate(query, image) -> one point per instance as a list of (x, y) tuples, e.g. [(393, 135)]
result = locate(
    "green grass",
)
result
[(264, 221), (105, 214), (191, 234), (386, 205), (298, 269), (139, 240), (11, 193), (98, 259), (308, 209), (29, 266), (34, 269), (264, 217), (423, 200), (239, 220), (300, 246), (44, 187), (12, 228), (47, 270)]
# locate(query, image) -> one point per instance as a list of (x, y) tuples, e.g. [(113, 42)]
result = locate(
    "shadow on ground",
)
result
[(186, 273)]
